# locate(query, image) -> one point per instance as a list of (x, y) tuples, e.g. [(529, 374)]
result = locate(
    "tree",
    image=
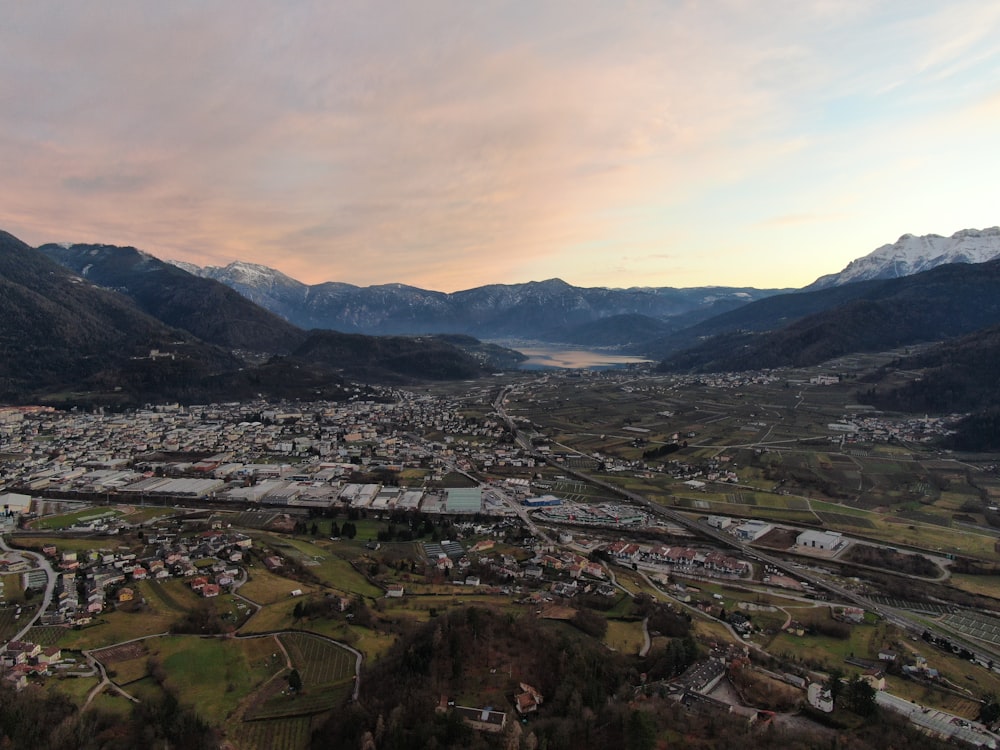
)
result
[(835, 683), (989, 711), (860, 696), (295, 681), (641, 731)]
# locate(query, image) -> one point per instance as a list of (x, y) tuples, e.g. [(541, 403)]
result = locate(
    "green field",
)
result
[(214, 674), (66, 520)]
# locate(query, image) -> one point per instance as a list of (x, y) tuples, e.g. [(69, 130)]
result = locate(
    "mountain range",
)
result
[(59, 331), (99, 324), (117, 320), (550, 310), (911, 254), (808, 328)]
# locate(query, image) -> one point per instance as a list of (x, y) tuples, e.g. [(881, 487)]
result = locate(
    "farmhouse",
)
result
[(394, 590), (528, 700)]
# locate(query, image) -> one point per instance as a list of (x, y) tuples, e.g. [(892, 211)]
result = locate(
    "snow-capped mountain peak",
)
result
[(911, 254)]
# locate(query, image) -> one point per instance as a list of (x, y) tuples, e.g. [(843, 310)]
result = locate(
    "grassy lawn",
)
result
[(112, 702), (625, 637), (213, 674), (331, 568), (90, 544), (114, 627), (77, 688), (984, 585), (13, 588), (711, 630), (824, 650), (265, 587), (276, 616), (373, 644)]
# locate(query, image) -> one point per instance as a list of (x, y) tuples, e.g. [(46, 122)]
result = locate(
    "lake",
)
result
[(554, 357)]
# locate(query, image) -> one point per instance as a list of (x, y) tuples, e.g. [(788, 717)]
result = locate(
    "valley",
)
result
[(599, 501)]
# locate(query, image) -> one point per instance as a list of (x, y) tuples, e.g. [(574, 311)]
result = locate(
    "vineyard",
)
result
[(319, 662), (265, 735), (46, 635), (327, 671)]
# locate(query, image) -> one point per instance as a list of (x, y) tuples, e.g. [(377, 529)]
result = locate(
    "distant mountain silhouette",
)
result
[(550, 310)]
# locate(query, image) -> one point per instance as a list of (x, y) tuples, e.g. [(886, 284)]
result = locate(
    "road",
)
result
[(939, 722), (50, 586)]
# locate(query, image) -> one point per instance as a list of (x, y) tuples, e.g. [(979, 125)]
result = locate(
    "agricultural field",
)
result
[(291, 734), (44, 636), (319, 662), (974, 625), (13, 588), (323, 562), (8, 625)]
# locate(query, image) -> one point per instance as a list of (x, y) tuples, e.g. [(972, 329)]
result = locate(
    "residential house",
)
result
[(527, 700)]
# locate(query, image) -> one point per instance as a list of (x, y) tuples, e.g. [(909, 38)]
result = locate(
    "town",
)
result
[(334, 528)]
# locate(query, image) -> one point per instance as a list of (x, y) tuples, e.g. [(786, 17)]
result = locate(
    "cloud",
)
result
[(450, 145)]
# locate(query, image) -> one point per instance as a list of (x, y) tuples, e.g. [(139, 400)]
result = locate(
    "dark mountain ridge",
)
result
[(59, 331), (947, 301), (205, 308), (69, 341), (956, 376)]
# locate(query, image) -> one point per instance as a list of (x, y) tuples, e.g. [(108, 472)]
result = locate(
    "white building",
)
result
[(825, 540), (751, 531), (719, 522)]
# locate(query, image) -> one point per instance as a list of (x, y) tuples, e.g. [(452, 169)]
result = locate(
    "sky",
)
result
[(447, 145)]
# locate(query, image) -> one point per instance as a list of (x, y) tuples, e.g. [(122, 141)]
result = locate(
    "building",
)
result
[(822, 540), (544, 501), (483, 719), (464, 500), (751, 531), (528, 699), (394, 590)]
